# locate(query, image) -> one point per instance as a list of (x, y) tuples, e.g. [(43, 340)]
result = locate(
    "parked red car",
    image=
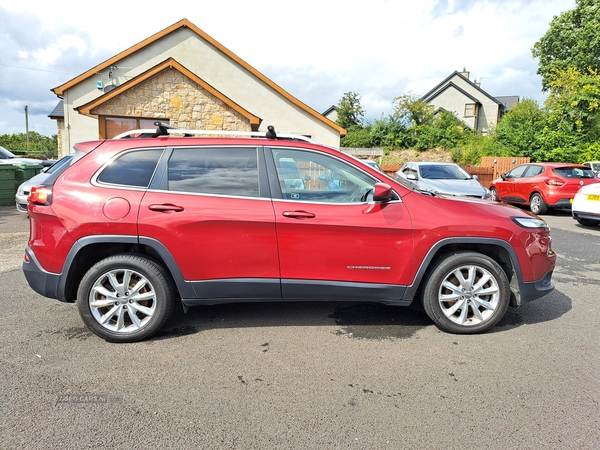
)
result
[(542, 186), (134, 226)]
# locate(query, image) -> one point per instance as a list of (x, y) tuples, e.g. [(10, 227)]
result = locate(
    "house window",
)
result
[(113, 126), (470, 109)]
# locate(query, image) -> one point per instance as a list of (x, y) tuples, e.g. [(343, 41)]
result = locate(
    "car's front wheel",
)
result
[(537, 204), (125, 298), (466, 293)]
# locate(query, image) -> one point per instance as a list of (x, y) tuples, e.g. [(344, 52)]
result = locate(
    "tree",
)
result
[(575, 101), (412, 110), (39, 145), (572, 41), (350, 112), (518, 131)]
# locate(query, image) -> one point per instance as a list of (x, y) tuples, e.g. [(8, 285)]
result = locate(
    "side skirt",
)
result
[(274, 290)]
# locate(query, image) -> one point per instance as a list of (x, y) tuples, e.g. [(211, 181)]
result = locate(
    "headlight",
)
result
[(529, 222)]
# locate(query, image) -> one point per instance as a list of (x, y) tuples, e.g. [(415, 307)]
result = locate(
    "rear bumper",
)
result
[(561, 203), (585, 215), (42, 282)]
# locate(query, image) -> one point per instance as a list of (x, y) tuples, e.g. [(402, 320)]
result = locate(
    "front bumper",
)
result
[(529, 291)]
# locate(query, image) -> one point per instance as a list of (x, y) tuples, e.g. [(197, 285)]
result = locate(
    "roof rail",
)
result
[(163, 129)]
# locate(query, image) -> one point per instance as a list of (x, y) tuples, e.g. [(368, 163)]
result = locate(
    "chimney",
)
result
[(477, 83), (464, 73)]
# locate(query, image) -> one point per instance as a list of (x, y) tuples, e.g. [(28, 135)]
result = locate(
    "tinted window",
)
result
[(60, 163), (222, 171), (132, 169), (534, 170), (314, 177), (517, 172), (574, 172)]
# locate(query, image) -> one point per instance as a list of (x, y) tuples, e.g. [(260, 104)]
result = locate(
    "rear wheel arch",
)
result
[(89, 251), (537, 203)]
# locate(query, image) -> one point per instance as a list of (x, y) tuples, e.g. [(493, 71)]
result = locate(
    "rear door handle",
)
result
[(166, 208), (299, 214)]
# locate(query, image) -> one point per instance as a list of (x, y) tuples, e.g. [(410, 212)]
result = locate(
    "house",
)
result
[(183, 77), (331, 113), (471, 104)]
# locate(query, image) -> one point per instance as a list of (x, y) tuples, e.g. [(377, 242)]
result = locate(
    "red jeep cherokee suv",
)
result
[(136, 224)]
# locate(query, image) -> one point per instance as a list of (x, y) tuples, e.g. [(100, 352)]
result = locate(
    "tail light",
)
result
[(40, 195), (553, 182)]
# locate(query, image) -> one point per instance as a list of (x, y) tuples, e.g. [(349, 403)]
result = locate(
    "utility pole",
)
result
[(27, 128)]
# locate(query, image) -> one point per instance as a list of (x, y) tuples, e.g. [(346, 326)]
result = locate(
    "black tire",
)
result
[(537, 204), (106, 304), (494, 195), (588, 222), (482, 305)]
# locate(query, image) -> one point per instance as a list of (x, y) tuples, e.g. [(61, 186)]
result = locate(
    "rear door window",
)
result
[(216, 171)]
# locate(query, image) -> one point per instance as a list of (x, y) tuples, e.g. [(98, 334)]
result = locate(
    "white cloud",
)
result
[(315, 49)]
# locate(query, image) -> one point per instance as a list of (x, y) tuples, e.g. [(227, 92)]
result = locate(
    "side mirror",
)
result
[(411, 176), (382, 192), (475, 177), (503, 176)]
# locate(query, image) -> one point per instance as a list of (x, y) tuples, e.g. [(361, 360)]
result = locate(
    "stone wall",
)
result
[(171, 95)]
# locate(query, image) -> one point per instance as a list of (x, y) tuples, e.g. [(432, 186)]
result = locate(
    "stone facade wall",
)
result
[(171, 95)]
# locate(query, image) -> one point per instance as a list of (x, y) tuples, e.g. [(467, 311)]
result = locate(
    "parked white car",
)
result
[(586, 205), (594, 165)]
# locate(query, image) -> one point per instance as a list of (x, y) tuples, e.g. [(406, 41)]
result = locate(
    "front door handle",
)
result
[(299, 214), (166, 208)]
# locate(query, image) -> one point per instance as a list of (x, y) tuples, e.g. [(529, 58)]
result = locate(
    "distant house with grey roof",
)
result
[(471, 104)]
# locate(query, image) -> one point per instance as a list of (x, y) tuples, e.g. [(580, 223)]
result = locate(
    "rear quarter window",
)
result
[(133, 168)]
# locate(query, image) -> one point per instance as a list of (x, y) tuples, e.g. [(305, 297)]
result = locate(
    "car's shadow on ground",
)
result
[(358, 320)]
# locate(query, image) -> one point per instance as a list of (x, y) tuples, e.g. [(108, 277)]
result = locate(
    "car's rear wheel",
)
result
[(494, 195), (466, 293), (537, 204), (125, 298)]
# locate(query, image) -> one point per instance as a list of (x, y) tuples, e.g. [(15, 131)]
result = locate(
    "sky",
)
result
[(316, 50)]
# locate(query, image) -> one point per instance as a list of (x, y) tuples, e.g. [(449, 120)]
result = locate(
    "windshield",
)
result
[(443, 172), (5, 154)]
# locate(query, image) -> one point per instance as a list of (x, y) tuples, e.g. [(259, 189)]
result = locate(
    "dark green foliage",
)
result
[(357, 136), (519, 130), (39, 145), (388, 133)]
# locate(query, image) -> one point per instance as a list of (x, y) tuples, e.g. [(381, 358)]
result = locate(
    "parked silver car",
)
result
[(8, 157), (442, 178), (23, 191)]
